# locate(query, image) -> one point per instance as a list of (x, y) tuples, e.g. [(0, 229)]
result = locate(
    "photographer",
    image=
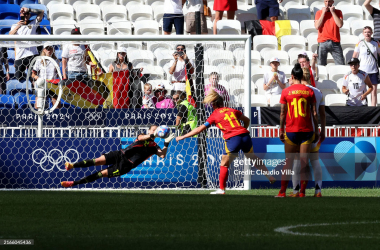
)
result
[(25, 27), (178, 68)]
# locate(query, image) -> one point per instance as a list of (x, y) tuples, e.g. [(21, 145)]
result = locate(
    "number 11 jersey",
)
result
[(227, 120), (298, 99)]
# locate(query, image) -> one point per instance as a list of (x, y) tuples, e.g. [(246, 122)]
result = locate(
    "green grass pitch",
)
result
[(342, 219)]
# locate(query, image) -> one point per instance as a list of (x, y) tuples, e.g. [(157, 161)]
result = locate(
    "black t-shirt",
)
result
[(3, 57), (376, 23), (139, 151), (182, 112)]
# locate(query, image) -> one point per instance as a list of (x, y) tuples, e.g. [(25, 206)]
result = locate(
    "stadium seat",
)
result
[(295, 27), (11, 57), (119, 28), (104, 2), (95, 46), (95, 27), (358, 25), (307, 28), (7, 102), (298, 13), (22, 2), (228, 27), (343, 2), (315, 2), (339, 83), (106, 57), (348, 53), (140, 58), (275, 101), (45, 24), (345, 29), (240, 57), (158, 13), (257, 72), (59, 12), (322, 73), (234, 45), (287, 3), (292, 42), (337, 72), (130, 45), (263, 43), (5, 26), (312, 42), (146, 27), (153, 46), (213, 46), (76, 3), (155, 72), (259, 85), (349, 41), (326, 84), (232, 72), (139, 12), (219, 57), (351, 12), (64, 28), (210, 26), (14, 86), (9, 11), (235, 86), (154, 3), (209, 69), (127, 3), (287, 69), (335, 100), (87, 12), (245, 13), (49, 3), (259, 101), (114, 13), (315, 7), (281, 55), (163, 56), (21, 100)]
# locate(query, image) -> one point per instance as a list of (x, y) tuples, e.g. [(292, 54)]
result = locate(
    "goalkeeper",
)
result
[(121, 161)]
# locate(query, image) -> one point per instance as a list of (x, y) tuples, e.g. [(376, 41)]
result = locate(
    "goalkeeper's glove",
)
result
[(154, 135), (169, 139)]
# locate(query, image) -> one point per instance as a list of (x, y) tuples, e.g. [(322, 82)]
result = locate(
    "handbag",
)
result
[(377, 61), (206, 11)]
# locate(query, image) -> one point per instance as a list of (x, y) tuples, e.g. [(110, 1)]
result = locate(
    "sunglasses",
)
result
[(180, 49)]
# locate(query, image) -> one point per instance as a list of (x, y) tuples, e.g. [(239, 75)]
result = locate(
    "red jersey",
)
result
[(298, 99), (227, 120)]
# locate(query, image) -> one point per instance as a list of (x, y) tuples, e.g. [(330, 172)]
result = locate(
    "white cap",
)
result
[(122, 50), (303, 53), (160, 86), (274, 59), (48, 44)]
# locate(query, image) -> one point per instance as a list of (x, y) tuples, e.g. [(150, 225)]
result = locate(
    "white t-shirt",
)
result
[(274, 88), (173, 7), (26, 30), (75, 57), (148, 100), (179, 75), (355, 84), (367, 62), (194, 5), (49, 69)]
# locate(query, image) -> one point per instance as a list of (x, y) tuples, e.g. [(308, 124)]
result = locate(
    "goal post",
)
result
[(89, 110)]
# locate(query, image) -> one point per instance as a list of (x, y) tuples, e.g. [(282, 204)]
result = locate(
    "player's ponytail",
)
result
[(306, 75), (214, 98), (297, 72)]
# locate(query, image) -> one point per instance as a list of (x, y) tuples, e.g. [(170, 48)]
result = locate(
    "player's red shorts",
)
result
[(238, 142)]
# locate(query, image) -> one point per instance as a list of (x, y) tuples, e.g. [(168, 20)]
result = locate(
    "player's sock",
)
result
[(296, 175), (303, 186), (317, 188), (89, 178), (284, 185), (85, 163), (317, 175), (223, 177)]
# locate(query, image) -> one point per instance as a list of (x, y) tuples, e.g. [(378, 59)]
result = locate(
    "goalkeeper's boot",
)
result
[(280, 195), (69, 166), (67, 184), (318, 195), (219, 191), (294, 195)]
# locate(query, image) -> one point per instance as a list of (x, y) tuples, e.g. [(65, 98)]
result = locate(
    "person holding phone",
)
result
[(328, 21), (178, 68), (25, 27)]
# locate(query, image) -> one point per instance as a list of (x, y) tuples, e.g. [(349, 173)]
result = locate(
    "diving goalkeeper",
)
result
[(121, 161)]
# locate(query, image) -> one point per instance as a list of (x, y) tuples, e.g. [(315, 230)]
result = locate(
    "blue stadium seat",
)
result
[(9, 11), (5, 26), (22, 100), (22, 2), (14, 86), (4, 2), (58, 54), (7, 102), (11, 57), (35, 6)]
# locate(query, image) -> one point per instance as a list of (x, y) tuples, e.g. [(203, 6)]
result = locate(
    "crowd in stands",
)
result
[(359, 83)]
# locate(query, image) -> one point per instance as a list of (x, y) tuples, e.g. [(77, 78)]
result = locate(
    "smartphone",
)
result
[(22, 18), (180, 53)]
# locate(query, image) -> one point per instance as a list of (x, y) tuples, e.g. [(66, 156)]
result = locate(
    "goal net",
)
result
[(81, 96)]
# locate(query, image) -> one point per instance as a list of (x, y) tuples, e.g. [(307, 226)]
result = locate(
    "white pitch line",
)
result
[(288, 229)]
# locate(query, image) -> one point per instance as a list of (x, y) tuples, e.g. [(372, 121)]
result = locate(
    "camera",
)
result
[(180, 53)]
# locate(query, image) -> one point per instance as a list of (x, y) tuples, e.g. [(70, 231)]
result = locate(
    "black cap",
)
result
[(353, 61)]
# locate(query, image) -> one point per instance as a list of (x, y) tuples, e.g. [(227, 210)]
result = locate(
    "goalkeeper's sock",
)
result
[(303, 186), (89, 178), (85, 164), (223, 177)]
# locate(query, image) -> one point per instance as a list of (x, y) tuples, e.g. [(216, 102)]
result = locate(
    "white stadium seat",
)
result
[(295, 27), (94, 28), (153, 46), (130, 45), (140, 12), (322, 73), (298, 13), (287, 69), (235, 86), (213, 45), (240, 57), (119, 28), (163, 56), (337, 72), (293, 42), (326, 84), (158, 13), (312, 41), (348, 53), (114, 13), (146, 27), (209, 69), (259, 101), (228, 27), (61, 12), (275, 101), (127, 3), (235, 45), (264, 42), (345, 29), (351, 12), (155, 72), (232, 72), (106, 57), (281, 55), (335, 100), (140, 58), (75, 3), (154, 3), (219, 57), (64, 28), (343, 2), (307, 28), (349, 41), (87, 12), (245, 13), (102, 45), (290, 3), (104, 2), (257, 72), (49, 3), (259, 85), (358, 25)]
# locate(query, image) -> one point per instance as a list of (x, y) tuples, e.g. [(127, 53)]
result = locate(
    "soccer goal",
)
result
[(83, 96)]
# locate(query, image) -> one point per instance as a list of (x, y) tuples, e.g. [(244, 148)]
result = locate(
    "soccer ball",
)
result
[(163, 131)]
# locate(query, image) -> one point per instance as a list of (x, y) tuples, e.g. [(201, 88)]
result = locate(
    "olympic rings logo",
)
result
[(93, 116), (47, 162)]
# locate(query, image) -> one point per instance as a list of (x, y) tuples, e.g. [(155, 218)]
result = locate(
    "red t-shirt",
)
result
[(227, 120), (298, 99), (328, 29)]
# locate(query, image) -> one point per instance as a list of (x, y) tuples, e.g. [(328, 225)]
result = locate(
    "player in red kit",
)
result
[(297, 108), (235, 135)]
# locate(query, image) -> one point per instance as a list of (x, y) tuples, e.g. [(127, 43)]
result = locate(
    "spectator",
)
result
[(328, 21), (268, 8), (375, 13), (25, 27), (4, 76), (46, 70), (213, 84), (224, 5), (121, 62), (187, 114), (354, 85), (192, 7), (160, 99), (274, 80), (178, 68), (304, 60), (148, 96), (74, 60), (367, 51), (173, 15)]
